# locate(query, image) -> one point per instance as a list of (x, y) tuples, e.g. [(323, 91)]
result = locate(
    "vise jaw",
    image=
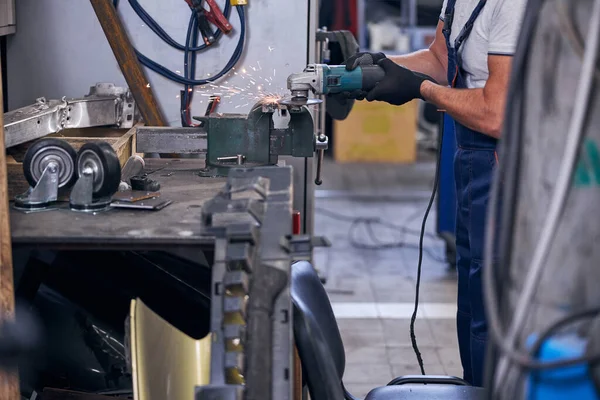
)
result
[(254, 140)]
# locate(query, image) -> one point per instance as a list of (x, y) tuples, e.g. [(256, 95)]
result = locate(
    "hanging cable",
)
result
[(413, 319), (190, 49), (160, 32), (189, 69), (154, 66)]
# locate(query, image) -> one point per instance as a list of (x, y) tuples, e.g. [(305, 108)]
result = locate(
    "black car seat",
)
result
[(321, 352)]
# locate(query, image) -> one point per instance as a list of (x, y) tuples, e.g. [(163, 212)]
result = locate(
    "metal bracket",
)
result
[(236, 185), (300, 247), (249, 345), (82, 197), (219, 208), (253, 191), (105, 105), (45, 192)]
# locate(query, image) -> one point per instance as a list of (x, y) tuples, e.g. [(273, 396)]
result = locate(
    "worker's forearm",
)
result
[(470, 107), (425, 62)]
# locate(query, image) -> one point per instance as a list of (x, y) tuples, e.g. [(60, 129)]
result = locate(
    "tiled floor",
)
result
[(373, 291)]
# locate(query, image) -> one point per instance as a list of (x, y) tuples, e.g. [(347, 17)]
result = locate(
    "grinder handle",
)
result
[(371, 76)]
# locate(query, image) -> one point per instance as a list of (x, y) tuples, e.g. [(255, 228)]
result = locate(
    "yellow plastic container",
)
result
[(377, 132)]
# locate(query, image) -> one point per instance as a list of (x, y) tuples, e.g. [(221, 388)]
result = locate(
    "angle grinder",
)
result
[(323, 79)]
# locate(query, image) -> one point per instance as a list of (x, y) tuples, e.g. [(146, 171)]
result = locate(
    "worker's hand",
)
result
[(339, 106), (361, 59), (399, 86)]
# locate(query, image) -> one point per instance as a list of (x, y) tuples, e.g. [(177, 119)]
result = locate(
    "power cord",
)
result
[(402, 228), (370, 221), (413, 319), (375, 244)]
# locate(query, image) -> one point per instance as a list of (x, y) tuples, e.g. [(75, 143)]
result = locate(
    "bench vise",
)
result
[(234, 140)]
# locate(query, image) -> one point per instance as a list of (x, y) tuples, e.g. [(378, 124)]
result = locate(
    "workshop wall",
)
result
[(60, 50)]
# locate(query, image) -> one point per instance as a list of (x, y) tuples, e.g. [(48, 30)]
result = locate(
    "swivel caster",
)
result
[(99, 173), (49, 166)]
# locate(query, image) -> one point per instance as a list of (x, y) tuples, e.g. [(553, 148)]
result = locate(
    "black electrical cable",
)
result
[(376, 245), (186, 69), (379, 245), (413, 337), (420, 247), (377, 220), (189, 65)]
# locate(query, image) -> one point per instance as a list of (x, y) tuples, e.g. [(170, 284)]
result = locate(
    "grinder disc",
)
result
[(300, 101)]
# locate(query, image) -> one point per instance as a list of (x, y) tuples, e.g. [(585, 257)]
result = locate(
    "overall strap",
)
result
[(466, 31), (449, 18)]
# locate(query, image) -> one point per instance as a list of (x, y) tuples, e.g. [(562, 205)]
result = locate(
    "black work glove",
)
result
[(359, 59), (363, 59), (399, 86)]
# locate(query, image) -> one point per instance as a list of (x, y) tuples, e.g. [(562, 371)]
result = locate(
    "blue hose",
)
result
[(165, 72), (190, 49), (160, 32), (189, 63)]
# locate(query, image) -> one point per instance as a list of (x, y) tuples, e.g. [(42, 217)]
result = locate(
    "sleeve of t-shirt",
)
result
[(505, 26), (443, 10)]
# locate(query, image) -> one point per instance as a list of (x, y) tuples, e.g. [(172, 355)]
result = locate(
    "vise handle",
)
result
[(321, 144)]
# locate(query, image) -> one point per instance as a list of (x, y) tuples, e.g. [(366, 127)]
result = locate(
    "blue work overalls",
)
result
[(474, 162)]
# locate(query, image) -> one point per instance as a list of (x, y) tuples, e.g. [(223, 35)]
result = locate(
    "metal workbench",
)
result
[(178, 224), (245, 221)]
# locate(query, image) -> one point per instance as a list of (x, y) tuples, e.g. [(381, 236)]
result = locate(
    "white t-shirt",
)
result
[(495, 31)]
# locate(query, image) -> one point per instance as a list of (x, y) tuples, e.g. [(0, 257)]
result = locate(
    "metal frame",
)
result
[(261, 248), (251, 322), (106, 104), (304, 168)]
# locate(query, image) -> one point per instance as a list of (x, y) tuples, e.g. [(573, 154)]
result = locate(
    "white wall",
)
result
[(60, 50)]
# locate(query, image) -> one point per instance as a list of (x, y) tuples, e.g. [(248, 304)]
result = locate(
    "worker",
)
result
[(464, 72)]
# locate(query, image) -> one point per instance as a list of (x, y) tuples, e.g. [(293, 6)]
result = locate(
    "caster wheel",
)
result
[(45, 151), (103, 160)]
